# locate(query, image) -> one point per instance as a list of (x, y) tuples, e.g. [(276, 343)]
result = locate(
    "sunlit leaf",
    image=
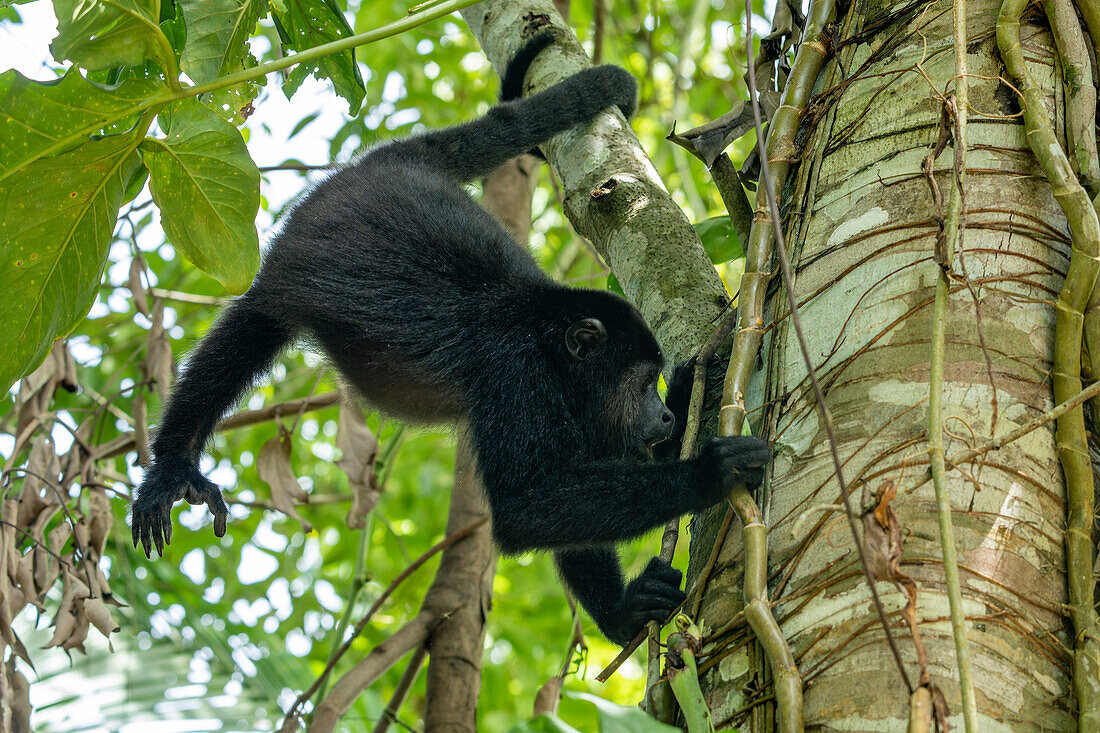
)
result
[(623, 718), (35, 115), (208, 191), (102, 34), (217, 32), (57, 215), (719, 239), (308, 23)]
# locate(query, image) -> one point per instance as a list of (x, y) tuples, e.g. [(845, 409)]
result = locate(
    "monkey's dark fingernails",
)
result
[(219, 525), (166, 524), (145, 544)]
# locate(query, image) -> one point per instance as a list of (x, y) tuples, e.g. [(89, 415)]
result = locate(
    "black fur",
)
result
[(433, 313)]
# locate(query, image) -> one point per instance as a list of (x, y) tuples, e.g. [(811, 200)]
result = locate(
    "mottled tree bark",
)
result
[(861, 230)]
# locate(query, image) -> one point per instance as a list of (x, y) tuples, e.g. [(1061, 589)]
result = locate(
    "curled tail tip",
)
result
[(511, 84)]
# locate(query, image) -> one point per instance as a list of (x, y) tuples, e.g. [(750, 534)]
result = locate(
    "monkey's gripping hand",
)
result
[(652, 596), (723, 463), (168, 480)]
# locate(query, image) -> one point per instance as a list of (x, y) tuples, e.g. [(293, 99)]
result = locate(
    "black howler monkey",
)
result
[(430, 310)]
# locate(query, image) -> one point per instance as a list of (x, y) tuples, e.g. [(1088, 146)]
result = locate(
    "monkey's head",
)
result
[(612, 363)]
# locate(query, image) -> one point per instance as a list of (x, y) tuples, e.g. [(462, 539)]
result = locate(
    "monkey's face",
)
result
[(636, 411)]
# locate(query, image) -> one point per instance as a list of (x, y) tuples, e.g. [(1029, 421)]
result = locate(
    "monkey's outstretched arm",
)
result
[(604, 502), (469, 151)]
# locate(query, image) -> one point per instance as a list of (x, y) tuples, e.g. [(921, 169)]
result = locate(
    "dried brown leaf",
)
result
[(707, 141), (20, 699), (58, 536), (273, 465), (158, 365), (141, 298), (46, 569), (884, 547), (360, 450), (43, 466), (548, 696), (100, 519), (80, 633), (8, 609), (100, 616)]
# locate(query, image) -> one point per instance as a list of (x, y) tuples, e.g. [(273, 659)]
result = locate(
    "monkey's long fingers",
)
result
[(141, 525), (220, 512), (158, 534), (166, 524)]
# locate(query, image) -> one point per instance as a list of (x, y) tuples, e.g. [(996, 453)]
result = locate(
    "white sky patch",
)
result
[(256, 565)]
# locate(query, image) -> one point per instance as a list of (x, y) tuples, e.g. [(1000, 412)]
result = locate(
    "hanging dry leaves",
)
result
[(36, 391), (360, 450), (158, 365), (17, 698), (273, 465), (141, 298)]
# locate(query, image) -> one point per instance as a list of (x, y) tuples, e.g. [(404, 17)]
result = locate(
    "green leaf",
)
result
[(545, 723), (217, 35), (613, 284), (102, 34), (622, 718), (719, 239), (58, 215), (208, 191), (308, 23), (35, 116)]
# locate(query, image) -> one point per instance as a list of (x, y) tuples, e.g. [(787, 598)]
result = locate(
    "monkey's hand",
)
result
[(726, 462), (168, 480), (652, 596)]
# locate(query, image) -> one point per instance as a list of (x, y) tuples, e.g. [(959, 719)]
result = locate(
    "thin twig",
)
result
[(389, 715), (687, 449), (953, 234)]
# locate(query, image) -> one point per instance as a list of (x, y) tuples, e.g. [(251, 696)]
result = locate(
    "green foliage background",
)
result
[(226, 647)]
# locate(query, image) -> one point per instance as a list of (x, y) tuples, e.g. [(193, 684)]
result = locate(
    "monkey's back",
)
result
[(428, 268)]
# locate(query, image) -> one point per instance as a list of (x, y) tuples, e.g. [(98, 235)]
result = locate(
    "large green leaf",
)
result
[(208, 191), (217, 31), (36, 116), (103, 34), (308, 23), (719, 239), (57, 216)]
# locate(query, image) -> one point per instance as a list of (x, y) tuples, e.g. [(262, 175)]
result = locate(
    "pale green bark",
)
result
[(861, 239)]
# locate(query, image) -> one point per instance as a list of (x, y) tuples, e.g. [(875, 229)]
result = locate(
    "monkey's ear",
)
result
[(584, 337)]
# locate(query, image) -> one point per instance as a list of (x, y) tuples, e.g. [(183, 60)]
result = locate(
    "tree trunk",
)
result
[(859, 217)]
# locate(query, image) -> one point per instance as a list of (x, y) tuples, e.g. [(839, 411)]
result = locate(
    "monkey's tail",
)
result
[(511, 83), (240, 347)]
